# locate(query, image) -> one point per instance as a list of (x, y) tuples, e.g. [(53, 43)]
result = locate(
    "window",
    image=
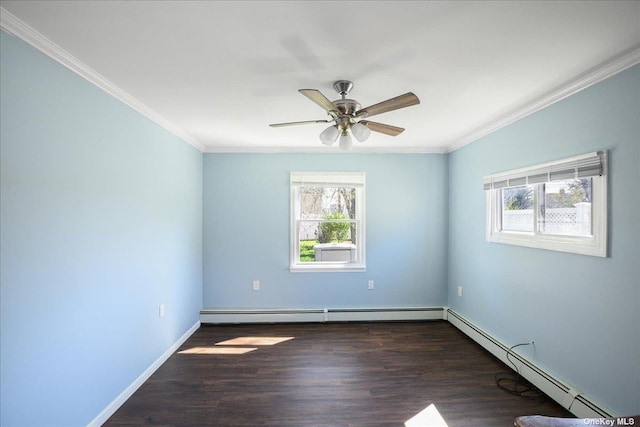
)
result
[(327, 221), (559, 206)]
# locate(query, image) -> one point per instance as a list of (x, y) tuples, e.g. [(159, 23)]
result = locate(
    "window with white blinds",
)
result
[(560, 205)]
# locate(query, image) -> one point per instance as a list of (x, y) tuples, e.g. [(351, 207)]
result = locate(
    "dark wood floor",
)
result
[(329, 374)]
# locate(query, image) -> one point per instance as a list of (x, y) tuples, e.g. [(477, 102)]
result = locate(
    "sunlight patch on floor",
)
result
[(428, 417), (238, 345), (255, 341), (218, 350)]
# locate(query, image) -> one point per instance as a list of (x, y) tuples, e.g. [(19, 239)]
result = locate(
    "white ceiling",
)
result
[(218, 72)]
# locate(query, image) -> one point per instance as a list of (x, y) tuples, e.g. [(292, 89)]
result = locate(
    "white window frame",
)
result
[(594, 245), (350, 179)]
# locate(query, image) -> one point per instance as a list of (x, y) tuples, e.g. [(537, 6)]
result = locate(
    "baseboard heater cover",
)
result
[(261, 315), (572, 399), (216, 316)]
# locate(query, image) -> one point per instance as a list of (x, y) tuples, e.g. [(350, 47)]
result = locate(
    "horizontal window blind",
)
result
[(587, 165), (328, 179)]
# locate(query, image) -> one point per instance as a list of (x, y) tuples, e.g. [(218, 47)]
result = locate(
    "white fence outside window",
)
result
[(566, 221)]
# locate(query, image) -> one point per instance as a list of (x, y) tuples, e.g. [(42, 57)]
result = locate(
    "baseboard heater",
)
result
[(218, 316), (563, 393)]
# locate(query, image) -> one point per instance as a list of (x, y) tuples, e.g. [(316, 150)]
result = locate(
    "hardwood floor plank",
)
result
[(329, 374)]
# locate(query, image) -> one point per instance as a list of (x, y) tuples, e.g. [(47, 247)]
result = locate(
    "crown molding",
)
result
[(323, 150), (584, 81), (14, 26)]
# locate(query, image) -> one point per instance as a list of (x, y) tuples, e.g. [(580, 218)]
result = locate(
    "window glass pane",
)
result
[(319, 202), (565, 207), (327, 241), (327, 226), (517, 208), (327, 221)]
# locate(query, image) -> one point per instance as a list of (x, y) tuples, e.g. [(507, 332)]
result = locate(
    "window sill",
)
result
[(577, 245)]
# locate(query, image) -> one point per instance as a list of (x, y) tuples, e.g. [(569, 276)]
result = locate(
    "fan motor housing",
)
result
[(347, 107)]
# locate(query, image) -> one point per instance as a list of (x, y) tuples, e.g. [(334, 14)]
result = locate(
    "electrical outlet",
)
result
[(460, 292), (256, 285), (371, 285), (161, 310)]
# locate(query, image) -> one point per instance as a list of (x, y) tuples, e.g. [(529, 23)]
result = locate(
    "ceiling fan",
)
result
[(347, 116)]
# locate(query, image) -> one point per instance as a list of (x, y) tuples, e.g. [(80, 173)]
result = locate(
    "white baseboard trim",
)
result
[(135, 385), (217, 316), (565, 394)]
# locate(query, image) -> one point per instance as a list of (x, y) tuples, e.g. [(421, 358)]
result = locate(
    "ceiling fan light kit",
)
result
[(346, 144), (360, 131), (347, 115), (329, 135)]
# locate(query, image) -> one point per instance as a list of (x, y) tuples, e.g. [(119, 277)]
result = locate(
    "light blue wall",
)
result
[(583, 312), (101, 221), (246, 232)]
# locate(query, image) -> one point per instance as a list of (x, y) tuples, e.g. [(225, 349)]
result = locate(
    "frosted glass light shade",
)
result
[(329, 135), (360, 132), (346, 143)]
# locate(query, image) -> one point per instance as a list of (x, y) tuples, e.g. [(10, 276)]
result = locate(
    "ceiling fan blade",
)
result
[(402, 101), (382, 128), (306, 122), (317, 97)]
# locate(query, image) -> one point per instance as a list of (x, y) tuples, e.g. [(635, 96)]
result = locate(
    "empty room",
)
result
[(327, 213)]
